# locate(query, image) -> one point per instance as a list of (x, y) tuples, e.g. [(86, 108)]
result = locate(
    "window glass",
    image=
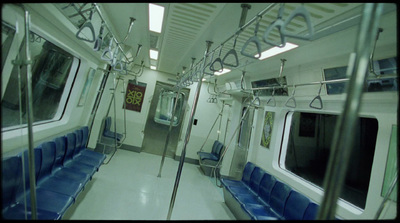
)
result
[(308, 151), (7, 36), (270, 83), (165, 107), (384, 68), (51, 68), (245, 128)]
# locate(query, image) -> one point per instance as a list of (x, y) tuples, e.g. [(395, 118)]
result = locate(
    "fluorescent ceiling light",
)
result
[(277, 50), (154, 54), (156, 16), (224, 71), (153, 67)]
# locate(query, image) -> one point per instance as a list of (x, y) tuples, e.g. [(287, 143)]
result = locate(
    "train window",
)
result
[(53, 71), (165, 106), (270, 83), (308, 149), (386, 68), (245, 128), (7, 36)]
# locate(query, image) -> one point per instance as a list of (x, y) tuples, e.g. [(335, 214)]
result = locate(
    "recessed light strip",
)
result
[(156, 17), (277, 50)]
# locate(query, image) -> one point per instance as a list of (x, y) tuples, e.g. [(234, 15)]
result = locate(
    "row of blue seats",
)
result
[(63, 167), (208, 160), (215, 153), (263, 197)]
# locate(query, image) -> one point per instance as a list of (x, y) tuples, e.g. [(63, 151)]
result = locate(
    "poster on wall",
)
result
[(134, 95), (267, 129), (85, 91)]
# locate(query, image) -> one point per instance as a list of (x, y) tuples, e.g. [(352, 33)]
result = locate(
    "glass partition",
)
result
[(165, 106)]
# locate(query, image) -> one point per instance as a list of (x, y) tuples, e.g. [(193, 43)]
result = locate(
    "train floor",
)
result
[(127, 188)]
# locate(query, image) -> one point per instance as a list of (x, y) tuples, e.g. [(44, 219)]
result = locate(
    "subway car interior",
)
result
[(199, 111)]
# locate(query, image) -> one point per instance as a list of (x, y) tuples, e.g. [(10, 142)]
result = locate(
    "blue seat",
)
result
[(277, 203), (65, 172), (264, 193), (78, 156), (311, 211), (45, 199), (247, 171), (296, 206), (215, 153), (88, 152), (74, 164), (252, 188), (11, 180), (46, 180), (108, 133)]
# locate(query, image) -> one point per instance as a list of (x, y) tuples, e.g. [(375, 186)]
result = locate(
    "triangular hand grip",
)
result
[(254, 40), (273, 100), (277, 24), (235, 56), (87, 25), (287, 104), (299, 11), (99, 40), (118, 66), (317, 98), (219, 64), (107, 55)]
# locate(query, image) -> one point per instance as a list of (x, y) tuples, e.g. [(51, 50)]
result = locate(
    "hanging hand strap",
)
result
[(107, 53), (217, 62), (99, 40), (233, 53), (318, 98), (278, 23), (208, 65), (87, 25), (287, 104), (254, 40), (272, 99), (299, 11)]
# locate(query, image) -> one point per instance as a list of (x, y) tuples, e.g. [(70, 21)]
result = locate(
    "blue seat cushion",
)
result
[(205, 155), (81, 167), (17, 212), (72, 175), (62, 186), (227, 182), (311, 211), (49, 201), (257, 212), (296, 206), (93, 154)]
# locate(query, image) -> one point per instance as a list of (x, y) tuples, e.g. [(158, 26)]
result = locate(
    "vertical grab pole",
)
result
[(346, 125), (169, 131), (32, 181), (189, 128), (29, 106)]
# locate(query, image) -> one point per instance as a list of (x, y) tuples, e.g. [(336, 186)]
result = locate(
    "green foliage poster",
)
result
[(391, 166), (267, 129)]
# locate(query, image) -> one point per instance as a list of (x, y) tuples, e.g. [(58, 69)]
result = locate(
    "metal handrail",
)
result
[(31, 155), (342, 143)]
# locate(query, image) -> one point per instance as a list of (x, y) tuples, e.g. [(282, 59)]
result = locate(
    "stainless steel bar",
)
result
[(29, 108), (109, 30), (188, 131), (387, 195), (241, 28), (346, 124), (169, 131)]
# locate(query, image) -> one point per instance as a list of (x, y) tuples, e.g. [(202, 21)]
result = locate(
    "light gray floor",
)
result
[(128, 189)]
